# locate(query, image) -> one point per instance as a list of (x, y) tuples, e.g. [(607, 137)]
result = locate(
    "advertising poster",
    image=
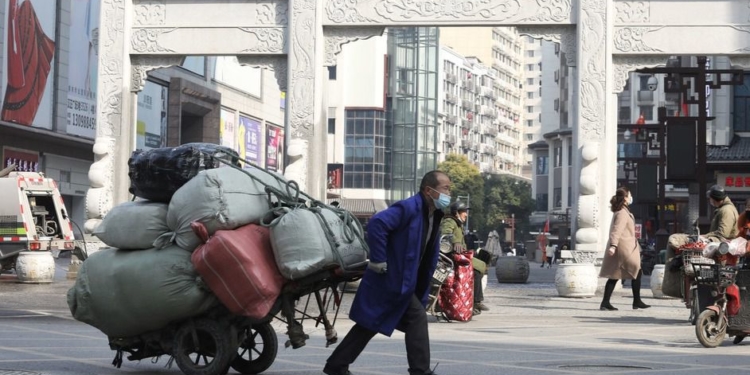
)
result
[(228, 129), (335, 176), (250, 137), (28, 63), (274, 148), (25, 161), (83, 62), (151, 118)]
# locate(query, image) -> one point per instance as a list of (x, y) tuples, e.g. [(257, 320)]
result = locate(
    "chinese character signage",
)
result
[(250, 137), (228, 129), (734, 181), (28, 62), (274, 148), (25, 161), (82, 64)]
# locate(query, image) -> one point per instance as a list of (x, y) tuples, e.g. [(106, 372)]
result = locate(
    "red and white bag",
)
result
[(457, 292), (239, 267)]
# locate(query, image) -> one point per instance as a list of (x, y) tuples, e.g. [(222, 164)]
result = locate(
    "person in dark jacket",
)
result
[(392, 294)]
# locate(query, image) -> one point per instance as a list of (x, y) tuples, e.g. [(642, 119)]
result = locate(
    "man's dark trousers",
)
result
[(478, 295), (414, 325)]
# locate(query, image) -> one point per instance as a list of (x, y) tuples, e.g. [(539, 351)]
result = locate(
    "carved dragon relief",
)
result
[(623, 65), (551, 11), (149, 12), (147, 40), (627, 12), (142, 64), (335, 39), (276, 63), (270, 40), (630, 39)]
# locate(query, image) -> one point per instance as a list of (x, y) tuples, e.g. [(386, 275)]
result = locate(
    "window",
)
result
[(741, 115), (529, 137), (530, 53), (557, 199), (332, 126), (643, 79), (558, 156), (364, 153), (332, 73), (530, 67), (647, 111), (541, 202), (530, 95), (530, 81), (623, 115), (529, 123), (530, 109), (541, 165), (570, 159)]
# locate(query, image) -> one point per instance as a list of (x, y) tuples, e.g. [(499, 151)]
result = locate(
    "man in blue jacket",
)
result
[(393, 291)]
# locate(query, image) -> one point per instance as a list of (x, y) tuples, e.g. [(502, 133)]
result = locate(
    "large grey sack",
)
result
[(126, 293), (348, 237), (299, 244), (222, 199), (133, 225)]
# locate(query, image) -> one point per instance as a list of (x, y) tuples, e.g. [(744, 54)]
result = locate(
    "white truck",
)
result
[(32, 216)]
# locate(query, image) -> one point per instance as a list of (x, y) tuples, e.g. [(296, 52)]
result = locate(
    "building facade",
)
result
[(204, 99)]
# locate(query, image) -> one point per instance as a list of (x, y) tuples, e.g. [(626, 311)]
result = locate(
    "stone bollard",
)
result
[(512, 270), (657, 280), (35, 267), (576, 280)]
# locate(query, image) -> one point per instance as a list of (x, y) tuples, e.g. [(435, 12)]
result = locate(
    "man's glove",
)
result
[(378, 267), (459, 248)]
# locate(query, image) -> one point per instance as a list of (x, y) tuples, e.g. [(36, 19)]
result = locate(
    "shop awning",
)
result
[(360, 207)]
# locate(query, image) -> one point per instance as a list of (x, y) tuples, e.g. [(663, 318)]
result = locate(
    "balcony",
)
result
[(468, 104), (451, 78), (450, 138), (491, 130), (487, 149), (476, 128), (450, 98), (451, 119), (487, 91), (466, 124), (465, 143), (469, 85), (488, 111)]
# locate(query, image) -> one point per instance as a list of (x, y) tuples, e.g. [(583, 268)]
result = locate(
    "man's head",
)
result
[(717, 195), (460, 210), (437, 186)]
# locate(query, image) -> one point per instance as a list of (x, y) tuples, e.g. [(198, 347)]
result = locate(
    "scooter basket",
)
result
[(690, 257), (713, 274)]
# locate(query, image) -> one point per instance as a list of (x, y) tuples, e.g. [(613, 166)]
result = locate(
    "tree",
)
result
[(466, 181), (505, 196)]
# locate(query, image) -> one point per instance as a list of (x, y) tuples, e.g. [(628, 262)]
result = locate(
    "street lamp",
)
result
[(468, 200)]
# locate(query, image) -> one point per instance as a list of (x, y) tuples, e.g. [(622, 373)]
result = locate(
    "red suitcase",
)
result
[(457, 292), (239, 267)]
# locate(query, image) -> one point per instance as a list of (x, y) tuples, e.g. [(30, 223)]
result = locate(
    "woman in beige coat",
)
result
[(622, 260)]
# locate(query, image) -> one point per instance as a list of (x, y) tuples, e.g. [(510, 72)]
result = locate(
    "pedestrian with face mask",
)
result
[(622, 259), (743, 222), (724, 221), (392, 294)]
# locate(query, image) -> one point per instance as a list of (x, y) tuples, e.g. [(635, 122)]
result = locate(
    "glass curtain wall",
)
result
[(412, 107)]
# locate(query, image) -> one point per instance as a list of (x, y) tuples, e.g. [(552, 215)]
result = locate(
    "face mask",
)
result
[(630, 200), (443, 201)]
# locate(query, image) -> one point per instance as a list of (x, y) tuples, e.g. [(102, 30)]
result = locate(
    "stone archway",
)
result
[(297, 38)]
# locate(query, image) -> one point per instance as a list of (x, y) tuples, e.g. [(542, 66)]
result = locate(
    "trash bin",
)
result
[(662, 256)]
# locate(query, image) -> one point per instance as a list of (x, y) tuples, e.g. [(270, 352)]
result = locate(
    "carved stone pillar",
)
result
[(108, 174), (305, 117), (596, 122)]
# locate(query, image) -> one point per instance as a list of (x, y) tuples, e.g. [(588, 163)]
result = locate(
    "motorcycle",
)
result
[(729, 314)]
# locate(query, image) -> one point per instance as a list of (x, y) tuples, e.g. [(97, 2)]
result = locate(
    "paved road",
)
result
[(530, 330)]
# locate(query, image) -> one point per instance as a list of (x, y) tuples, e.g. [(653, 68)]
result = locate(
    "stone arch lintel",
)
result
[(623, 65), (142, 64), (336, 37)]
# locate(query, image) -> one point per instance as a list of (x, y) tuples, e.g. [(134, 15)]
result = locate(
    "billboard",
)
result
[(228, 129), (151, 124), (250, 137), (274, 148), (82, 65), (28, 66), (25, 161)]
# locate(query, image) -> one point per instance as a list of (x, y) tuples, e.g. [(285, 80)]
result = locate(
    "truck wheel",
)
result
[(709, 330), (257, 351), (203, 348)]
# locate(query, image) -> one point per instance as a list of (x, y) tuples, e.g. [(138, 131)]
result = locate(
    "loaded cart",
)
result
[(199, 271)]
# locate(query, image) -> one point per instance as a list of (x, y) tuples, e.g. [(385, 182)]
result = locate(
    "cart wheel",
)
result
[(257, 351), (709, 330), (203, 348)]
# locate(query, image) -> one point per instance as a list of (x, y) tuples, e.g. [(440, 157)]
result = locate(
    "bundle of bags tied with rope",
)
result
[(239, 232)]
